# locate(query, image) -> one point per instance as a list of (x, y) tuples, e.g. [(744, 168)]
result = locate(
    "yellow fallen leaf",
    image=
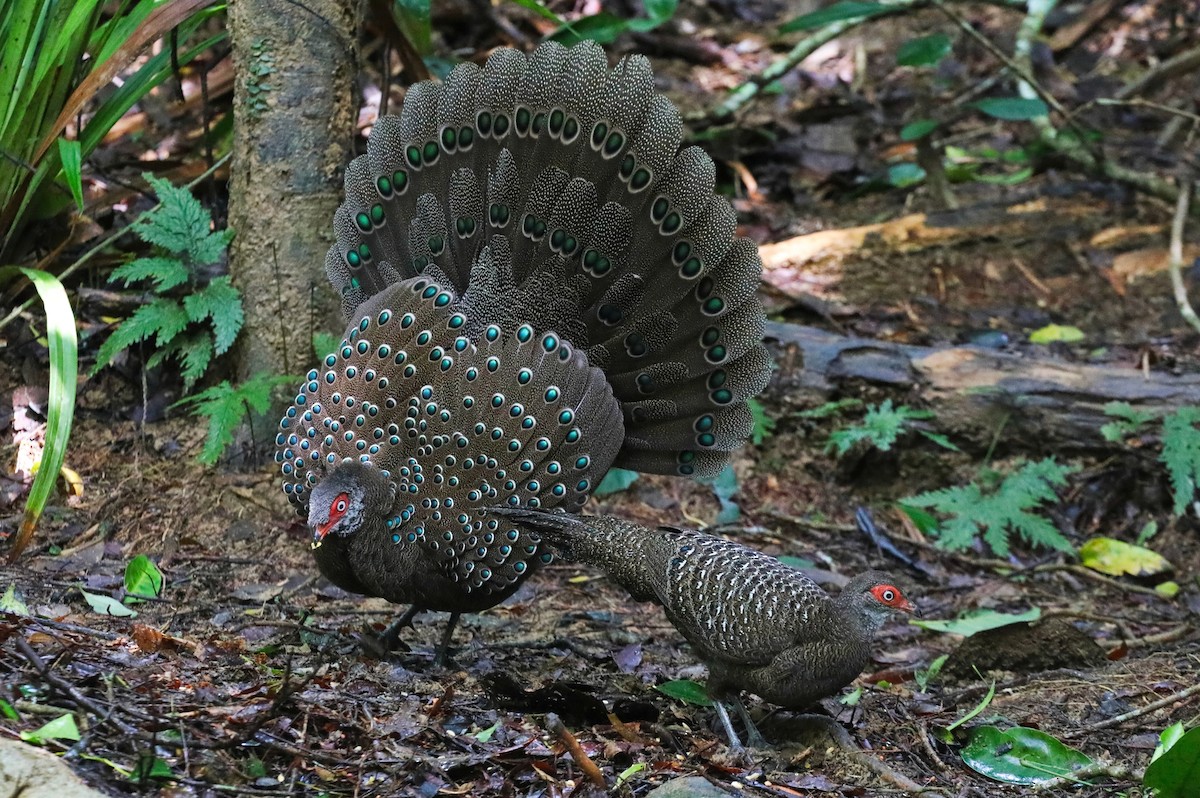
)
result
[(1117, 558), (1167, 589), (73, 480), (1056, 332)]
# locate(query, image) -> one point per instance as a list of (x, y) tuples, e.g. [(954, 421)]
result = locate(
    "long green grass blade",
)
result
[(71, 155), (64, 368)]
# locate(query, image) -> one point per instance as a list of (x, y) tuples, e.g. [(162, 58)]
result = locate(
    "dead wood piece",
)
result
[(790, 264), (1039, 405)]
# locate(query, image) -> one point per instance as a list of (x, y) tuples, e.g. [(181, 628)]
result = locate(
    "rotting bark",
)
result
[(1023, 403), (295, 110)]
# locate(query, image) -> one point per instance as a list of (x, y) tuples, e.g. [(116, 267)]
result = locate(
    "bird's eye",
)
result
[(339, 507), (889, 595)]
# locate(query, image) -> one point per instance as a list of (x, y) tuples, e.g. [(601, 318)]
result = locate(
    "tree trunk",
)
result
[(295, 109)]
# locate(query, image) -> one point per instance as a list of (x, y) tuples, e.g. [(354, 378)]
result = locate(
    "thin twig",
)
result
[(1020, 70), (1185, 62), (60, 684), (1176, 260), (555, 725), (1117, 720), (1094, 770)]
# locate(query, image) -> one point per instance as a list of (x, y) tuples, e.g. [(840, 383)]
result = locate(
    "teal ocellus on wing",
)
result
[(539, 285)]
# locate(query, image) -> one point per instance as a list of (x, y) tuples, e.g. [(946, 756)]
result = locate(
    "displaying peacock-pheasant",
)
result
[(539, 284), (758, 624)]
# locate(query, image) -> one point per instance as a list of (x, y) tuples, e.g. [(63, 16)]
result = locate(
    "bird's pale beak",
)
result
[(319, 533), (910, 608)]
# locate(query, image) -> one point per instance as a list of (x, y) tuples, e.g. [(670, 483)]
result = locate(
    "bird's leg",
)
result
[(443, 650), (723, 714), (391, 635), (379, 645), (753, 738)]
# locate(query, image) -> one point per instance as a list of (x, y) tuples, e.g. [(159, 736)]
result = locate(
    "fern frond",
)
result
[(1181, 455), (222, 303), (163, 319), (165, 272), (1002, 510)]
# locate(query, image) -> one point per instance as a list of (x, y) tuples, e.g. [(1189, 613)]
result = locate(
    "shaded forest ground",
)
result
[(246, 677)]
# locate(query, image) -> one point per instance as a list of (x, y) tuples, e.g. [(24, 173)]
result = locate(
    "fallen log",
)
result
[(1023, 402)]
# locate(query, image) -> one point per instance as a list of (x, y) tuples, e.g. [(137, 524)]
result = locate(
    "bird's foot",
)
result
[(754, 739), (380, 645)]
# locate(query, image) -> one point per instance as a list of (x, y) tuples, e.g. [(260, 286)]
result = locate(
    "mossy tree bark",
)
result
[(294, 108)]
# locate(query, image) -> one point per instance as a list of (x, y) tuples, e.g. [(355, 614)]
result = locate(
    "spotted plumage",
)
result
[(539, 284), (758, 624)]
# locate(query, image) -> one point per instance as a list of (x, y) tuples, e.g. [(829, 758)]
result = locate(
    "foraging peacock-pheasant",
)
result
[(758, 624)]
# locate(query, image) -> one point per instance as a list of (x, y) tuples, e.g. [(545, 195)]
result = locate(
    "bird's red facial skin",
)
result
[(890, 596), (341, 503)]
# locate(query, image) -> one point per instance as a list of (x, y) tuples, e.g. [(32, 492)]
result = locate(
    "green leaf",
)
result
[(1167, 590), (1148, 531), (541, 10), (687, 691), (628, 773), (486, 735), (142, 578), (852, 698), (7, 711), (150, 767), (221, 302), (225, 407), (615, 481), (830, 409), (725, 487), (925, 676), (1021, 756), (64, 368), (1127, 421), (1169, 736), (1013, 109), (107, 605), (1117, 558), (1181, 454), (194, 352), (11, 603), (1056, 332), (881, 428), (926, 523), (838, 12), (980, 707), (181, 224), (324, 343), (939, 439), (161, 319), (1011, 179), (997, 513), (923, 51), (918, 129), (761, 424), (975, 621), (166, 272), (61, 728), (415, 18), (71, 156), (904, 175)]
